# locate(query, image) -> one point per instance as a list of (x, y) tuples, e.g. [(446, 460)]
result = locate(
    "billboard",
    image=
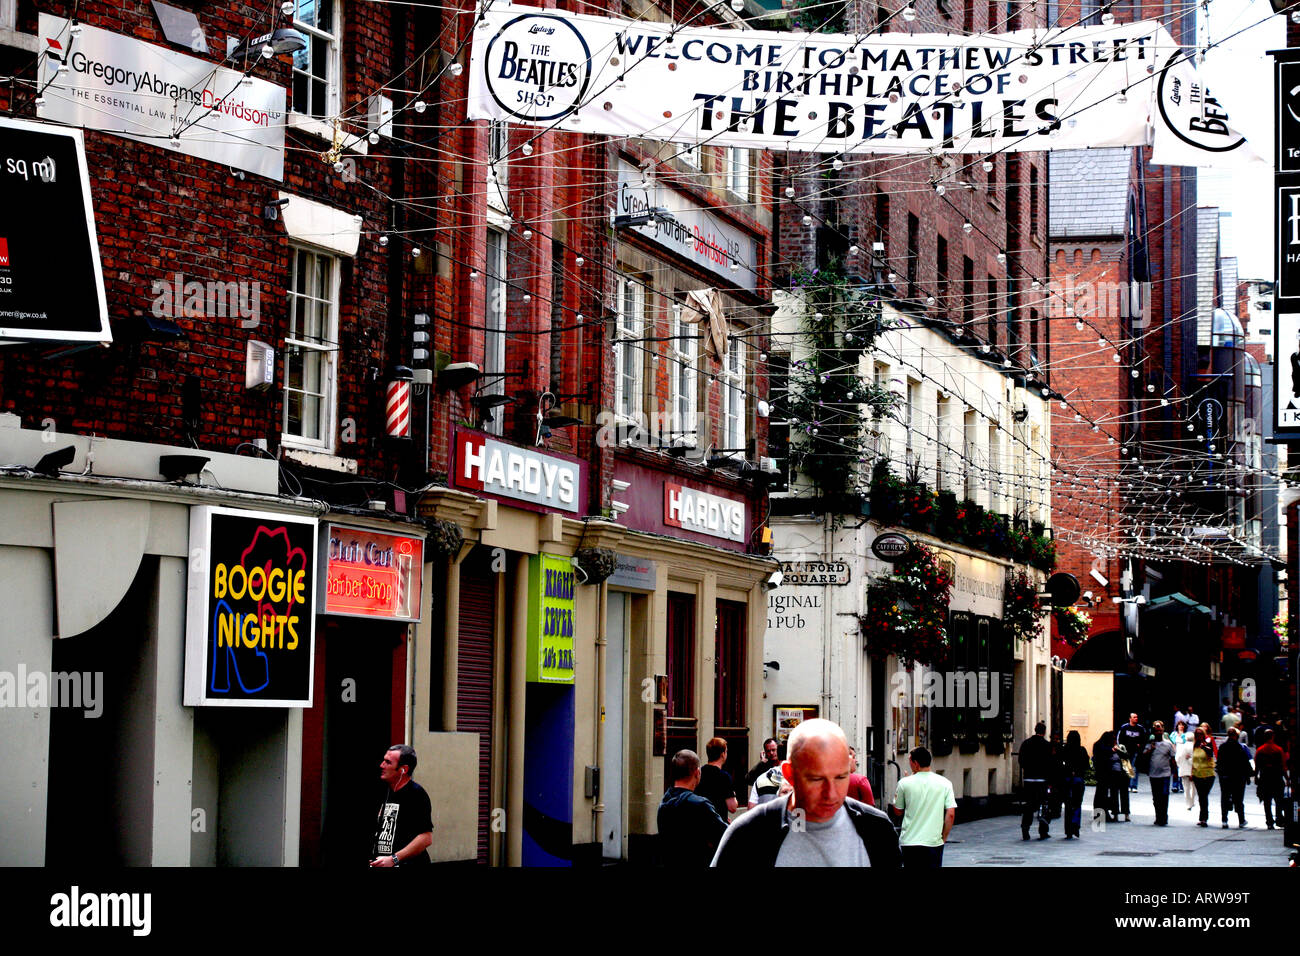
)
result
[(51, 280)]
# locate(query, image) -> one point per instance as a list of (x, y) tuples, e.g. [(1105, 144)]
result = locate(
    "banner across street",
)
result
[(1114, 85)]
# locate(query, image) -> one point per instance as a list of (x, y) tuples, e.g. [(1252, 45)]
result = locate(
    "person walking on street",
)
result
[(1178, 737), (1074, 768), (1036, 771), (404, 827), (819, 824), (716, 785), (1183, 755), (1270, 774), (1162, 767), (1203, 772), (1108, 770), (1132, 737), (859, 785), (769, 760), (928, 806), (1233, 766), (689, 826)]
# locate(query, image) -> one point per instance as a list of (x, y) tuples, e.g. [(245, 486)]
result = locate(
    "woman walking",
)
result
[(1110, 775), (1074, 765), (1203, 772), (1182, 741), (1178, 738)]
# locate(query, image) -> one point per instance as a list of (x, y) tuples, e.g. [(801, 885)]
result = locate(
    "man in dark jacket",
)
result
[(818, 824), (1233, 766), (1037, 769), (1133, 738), (1162, 767), (689, 826)]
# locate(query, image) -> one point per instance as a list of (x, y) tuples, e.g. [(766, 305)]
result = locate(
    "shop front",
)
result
[(684, 633)]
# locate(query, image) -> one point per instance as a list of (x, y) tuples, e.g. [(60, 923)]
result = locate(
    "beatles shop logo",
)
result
[(538, 67), (1189, 110)]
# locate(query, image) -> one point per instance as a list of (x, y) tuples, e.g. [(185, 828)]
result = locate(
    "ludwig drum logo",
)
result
[(538, 67), (1188, 109)]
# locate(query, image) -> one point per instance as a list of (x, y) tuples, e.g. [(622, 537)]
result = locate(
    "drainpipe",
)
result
[(602, 646)]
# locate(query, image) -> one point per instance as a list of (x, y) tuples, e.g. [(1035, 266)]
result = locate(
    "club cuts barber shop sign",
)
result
[(250, 617), (370, 574)]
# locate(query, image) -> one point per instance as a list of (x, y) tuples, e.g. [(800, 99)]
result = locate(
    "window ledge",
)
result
[(317, 459), (21, 41), (352, 142)]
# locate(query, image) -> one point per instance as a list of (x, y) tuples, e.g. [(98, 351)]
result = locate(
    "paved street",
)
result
[(996, 841)]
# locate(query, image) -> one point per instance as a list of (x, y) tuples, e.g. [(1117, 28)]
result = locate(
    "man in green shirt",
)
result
[(928, 805)]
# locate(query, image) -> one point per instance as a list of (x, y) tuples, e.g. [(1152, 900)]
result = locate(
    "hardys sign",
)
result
[(699, 511), (486, 464), (250, 617), (1035, 89)]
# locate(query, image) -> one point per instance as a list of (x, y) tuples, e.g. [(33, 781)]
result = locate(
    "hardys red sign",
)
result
[(694, 510), (546, 481)]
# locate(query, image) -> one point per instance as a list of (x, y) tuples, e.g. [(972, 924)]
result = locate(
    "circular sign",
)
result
[(1190, 112), (891, 546), (537, 67), (1064, 589)]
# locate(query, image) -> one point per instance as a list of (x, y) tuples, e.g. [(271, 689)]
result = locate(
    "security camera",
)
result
[(774, 580)]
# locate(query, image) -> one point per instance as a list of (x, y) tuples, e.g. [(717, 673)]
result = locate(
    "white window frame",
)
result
[(494, 321), (334, 61), (498, 169), (738, 167), (325, 347), (683, 380), (735, 418), (629, 383)]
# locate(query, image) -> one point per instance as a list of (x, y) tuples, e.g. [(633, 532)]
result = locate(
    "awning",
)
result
[(1178, 601)]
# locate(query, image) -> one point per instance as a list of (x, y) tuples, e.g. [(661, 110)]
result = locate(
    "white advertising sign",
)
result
[(704, 513), (688, 229), (1026, 90), (499, 468), (1287, 400), (123, 86)]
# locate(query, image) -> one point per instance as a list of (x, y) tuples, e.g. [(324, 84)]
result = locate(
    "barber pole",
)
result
[(399, 404)]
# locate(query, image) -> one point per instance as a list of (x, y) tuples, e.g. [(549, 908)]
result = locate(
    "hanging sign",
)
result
[(543, 480), (251, 611), (105, 81), (551, 583), (1026, 90), (46, 213), (1286, 381), (891, 546), (371, 574)]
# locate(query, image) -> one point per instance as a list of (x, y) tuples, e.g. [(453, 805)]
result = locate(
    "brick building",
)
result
[(955, 250), (532, 350)]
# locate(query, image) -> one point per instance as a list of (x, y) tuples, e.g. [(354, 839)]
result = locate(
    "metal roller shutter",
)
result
[(474, 683)]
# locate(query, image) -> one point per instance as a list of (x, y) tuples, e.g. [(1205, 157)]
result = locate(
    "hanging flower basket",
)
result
[(1072, 625), (597, 563), (1021, 612), (445, 538), (907, 612)]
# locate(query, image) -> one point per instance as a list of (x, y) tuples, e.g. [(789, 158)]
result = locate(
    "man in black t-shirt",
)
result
[(716, 784), (404, 829)]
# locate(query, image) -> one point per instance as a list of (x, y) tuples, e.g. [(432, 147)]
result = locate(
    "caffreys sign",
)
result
[(538, 67), (891, 546)]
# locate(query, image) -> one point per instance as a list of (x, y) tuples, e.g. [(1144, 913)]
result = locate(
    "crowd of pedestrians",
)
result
[(814, 808)]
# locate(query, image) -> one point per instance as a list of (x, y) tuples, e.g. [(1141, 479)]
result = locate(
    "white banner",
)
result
[(683, 226), (1028, 90), (123, 86)]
